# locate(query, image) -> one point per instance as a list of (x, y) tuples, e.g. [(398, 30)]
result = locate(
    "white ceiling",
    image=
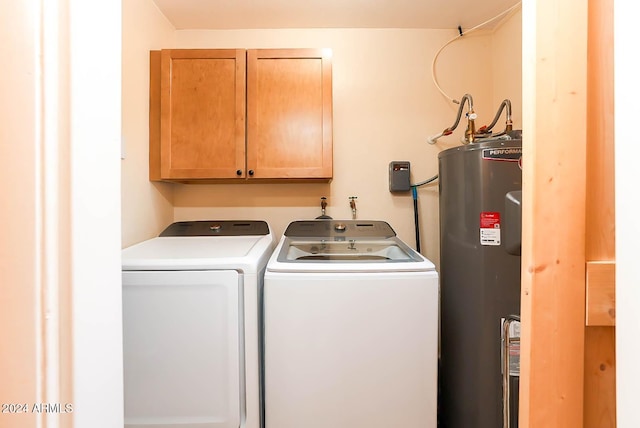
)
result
[(244, 14)]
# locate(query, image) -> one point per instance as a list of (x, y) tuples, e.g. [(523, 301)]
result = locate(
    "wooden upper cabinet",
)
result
[(202, 113), (237, 114), (289, 112)]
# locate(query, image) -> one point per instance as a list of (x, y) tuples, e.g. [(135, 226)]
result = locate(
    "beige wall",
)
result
[(385, 106), (507, 67), (146, 207)]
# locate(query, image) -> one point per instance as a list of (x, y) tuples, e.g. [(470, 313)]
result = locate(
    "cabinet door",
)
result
[(202, 113), (289, 113)]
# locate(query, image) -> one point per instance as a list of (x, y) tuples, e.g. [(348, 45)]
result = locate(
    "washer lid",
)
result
[(338, 254), (244, 253), (352, 250)]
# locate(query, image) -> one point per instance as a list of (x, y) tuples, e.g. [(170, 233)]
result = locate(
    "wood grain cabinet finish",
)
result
[(289, 112), (235, 114), (201, 104)]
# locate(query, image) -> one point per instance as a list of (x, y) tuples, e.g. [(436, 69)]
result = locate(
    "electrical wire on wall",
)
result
[(462, 33), (414, 187), (414, 193)]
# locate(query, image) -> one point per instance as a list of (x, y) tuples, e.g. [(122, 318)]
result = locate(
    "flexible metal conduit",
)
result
[(506, 367), (471, 115), (506, 106)]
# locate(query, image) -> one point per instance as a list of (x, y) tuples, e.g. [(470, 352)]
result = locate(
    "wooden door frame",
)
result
[(568, 257), (553, 243)]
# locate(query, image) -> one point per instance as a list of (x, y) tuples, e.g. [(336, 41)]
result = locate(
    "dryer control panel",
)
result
[(217, 228)]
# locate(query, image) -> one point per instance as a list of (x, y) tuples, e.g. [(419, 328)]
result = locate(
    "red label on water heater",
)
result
[(490, 228)]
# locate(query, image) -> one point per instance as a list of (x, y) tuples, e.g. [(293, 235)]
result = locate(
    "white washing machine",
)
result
[(191, 326), (351, 329)]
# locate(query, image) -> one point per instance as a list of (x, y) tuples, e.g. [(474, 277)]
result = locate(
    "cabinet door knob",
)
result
[(239, 172), (251, 172)]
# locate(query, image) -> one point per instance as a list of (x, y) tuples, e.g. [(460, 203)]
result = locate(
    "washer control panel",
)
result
[(339, 228)]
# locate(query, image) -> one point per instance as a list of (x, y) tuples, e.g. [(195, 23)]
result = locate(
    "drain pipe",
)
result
[(416, 217), (414, 192)]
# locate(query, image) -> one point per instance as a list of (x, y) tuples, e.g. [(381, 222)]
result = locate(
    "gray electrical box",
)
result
[(399, 180), (512, 229)]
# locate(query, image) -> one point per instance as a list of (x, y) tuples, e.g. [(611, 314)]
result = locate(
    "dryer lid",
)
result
[(244, 253)]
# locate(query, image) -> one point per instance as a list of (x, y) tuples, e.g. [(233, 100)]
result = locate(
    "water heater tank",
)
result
[(480, 278)]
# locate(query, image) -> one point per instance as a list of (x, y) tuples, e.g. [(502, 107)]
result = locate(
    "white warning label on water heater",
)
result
[(490, 228)]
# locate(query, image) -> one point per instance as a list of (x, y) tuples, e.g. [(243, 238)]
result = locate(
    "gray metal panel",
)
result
[(217, 228), (513, 223), (480, 284), (339, 228), (353, 250)]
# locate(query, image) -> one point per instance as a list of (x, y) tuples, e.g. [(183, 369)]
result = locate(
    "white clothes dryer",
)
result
[(191, 325), (351, 329)]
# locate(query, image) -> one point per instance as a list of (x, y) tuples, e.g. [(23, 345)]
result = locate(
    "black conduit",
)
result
[(414, 191), (416, 219)]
